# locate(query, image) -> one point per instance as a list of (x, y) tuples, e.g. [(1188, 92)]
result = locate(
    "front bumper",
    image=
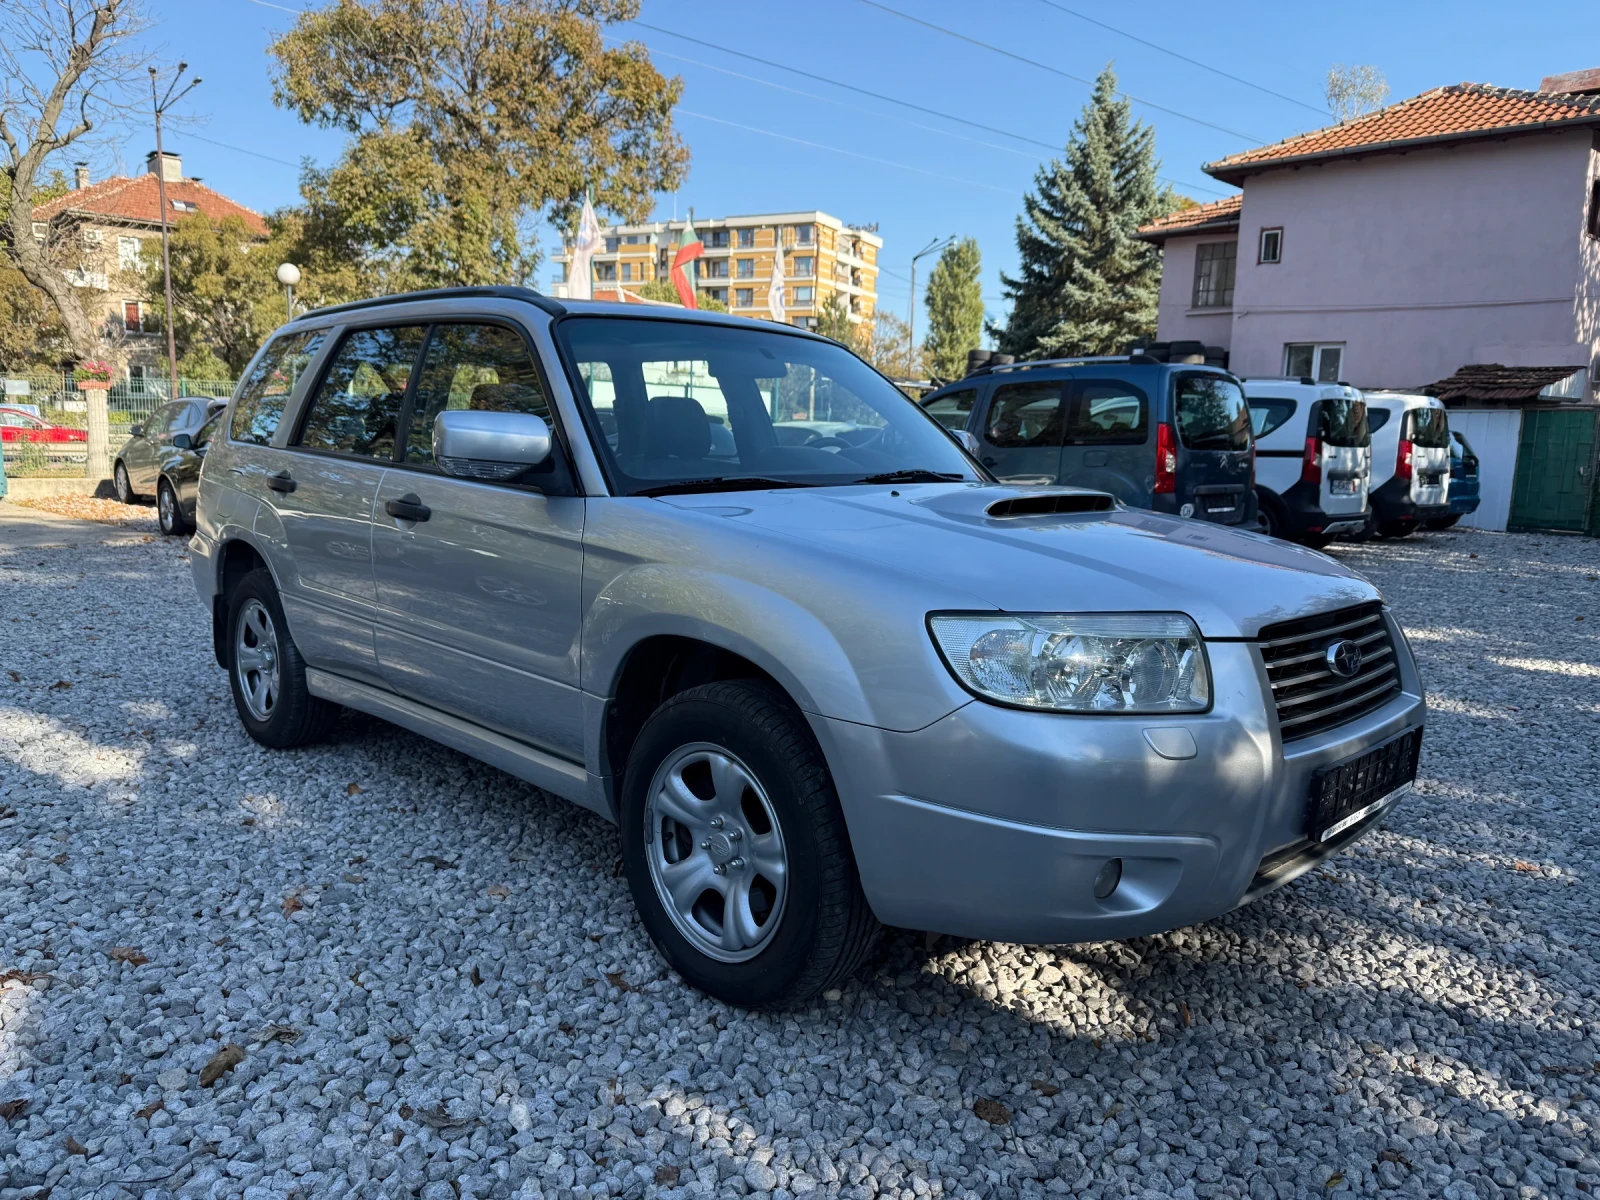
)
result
[(993, 823)]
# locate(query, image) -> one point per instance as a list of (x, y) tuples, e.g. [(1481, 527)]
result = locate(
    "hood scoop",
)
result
[(1049, 504)]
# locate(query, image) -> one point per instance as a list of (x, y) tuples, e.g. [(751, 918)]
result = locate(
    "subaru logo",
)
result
[(1343, 658)]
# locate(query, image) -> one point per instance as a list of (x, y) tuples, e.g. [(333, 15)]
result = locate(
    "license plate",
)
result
[(1432, 480), (1220, 504), (1353, 790), (1342, 487)]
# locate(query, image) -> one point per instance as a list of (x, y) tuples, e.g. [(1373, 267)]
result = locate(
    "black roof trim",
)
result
[(500, 292)]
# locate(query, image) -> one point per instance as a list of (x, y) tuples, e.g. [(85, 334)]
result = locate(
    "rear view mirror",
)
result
[(489, 445), (182, 441)]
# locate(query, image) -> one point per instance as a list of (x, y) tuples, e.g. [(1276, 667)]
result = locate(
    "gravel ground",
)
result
[(378, 968)]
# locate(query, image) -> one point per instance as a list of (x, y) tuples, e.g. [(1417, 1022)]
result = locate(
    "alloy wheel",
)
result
[(166, 509), (124, 488), (716, 852), (255, 659)]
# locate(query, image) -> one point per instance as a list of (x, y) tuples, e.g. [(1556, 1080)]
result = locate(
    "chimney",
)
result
[(1573, 83), (171, 166), (80, 175)]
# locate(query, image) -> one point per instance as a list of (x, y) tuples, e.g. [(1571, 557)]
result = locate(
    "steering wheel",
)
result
[(824, 442)]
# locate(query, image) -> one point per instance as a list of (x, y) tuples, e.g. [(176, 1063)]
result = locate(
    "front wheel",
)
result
[(736, 850), (266, 672), (123, 486), (169, 513)]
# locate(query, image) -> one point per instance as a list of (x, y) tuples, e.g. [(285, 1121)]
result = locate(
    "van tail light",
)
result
[(1311, 465), (1166, 460), (1402, 460)]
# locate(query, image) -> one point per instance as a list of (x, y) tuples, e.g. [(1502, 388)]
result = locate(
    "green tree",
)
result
[(470, 120), (833, 320), (225, 298), (892, 352), (955, 308), (1086, 284), (662, 290)]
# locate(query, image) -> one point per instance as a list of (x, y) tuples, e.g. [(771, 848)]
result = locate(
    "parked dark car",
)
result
[(178, 475), (1464, 482), (1172, 437), (137, 468)]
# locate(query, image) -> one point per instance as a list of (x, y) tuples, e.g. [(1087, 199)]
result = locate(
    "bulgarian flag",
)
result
[(690, 247)]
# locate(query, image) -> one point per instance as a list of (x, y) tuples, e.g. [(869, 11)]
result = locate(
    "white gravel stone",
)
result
[(1418, 1016)]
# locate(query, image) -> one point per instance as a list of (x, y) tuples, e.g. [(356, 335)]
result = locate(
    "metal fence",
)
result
[(54, 398)]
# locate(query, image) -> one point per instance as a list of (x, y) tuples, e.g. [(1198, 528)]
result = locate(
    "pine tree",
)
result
[(1087, 285), (955, 308)]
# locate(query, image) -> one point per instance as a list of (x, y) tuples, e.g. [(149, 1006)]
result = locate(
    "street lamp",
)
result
[(160, 104), (932, 247), (288, 275)]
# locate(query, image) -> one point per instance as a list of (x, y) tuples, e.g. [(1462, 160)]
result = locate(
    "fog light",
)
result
[(1110, 875)]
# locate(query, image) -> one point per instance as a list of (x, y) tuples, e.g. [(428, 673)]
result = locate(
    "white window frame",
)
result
[(1277, 248), (127, 261), (1318, 349)]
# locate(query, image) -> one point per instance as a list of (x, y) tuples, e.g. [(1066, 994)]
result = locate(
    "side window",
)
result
[(1025, 414), (953, 408), (1377, 418), (1108, 411), (265, 390), (357, 407), (483, 367), (206, 432), (1268, 414)]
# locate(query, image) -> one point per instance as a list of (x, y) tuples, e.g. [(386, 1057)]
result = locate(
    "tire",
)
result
[(169, 513), (278, 712), (1396, 529), (777, 804), (120, 482), (1444, 522)]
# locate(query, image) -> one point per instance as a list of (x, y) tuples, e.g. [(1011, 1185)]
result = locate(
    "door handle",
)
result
[(281, 482), (408, 508)]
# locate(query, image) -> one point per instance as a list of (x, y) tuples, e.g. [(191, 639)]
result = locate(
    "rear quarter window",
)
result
[(1268, 413), (267, 386)]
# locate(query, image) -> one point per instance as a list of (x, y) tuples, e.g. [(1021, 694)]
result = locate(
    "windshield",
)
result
[(1212, 414), (1430, 427), (1343, 423), (718, 407)]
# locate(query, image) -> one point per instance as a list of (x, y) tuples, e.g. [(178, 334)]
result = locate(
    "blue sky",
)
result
[(918, 176)]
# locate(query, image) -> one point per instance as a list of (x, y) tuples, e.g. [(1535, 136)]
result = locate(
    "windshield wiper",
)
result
[(720, 483), (915, 475)]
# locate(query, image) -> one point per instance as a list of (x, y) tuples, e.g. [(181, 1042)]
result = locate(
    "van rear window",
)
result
[(1212, 414), (1343, 423), (1429, 427)]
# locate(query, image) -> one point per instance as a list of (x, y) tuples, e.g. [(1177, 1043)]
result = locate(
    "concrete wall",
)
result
[(1175, 320), (1421, 262)]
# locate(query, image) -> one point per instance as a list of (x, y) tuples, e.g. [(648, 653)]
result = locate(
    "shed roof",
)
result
[(1490, 382)]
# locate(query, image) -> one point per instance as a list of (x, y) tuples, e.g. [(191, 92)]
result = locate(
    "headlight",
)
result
[(1091, 663)]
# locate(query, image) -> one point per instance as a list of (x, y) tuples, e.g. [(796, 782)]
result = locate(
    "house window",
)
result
[(715, 239), (128, 253), (805, 267), (804, 295), (133, 316), (1213, 274), (612, 243), (186, 206), (804, 234), (720, 295), (1321, 361), (745, 268), (714, 268), (606, 271), (744, 297), (803, 322), (627, 272), (1271, 247), (747, 239), (1594, 210)]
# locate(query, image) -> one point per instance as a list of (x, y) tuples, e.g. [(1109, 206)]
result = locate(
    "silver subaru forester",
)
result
[(720, 582)]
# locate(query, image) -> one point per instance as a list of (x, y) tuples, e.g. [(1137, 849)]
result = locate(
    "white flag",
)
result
[(580, 268), (775, 289)]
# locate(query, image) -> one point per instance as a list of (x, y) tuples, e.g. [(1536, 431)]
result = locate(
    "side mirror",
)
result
[(136, 431), (182, 441), (489, 445), (969, 442)]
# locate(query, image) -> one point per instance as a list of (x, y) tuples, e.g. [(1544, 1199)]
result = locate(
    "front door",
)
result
[(479, 597), (1022, 431), (1554, 484)]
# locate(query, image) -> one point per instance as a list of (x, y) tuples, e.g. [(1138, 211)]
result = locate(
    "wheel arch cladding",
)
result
[(238, 559)]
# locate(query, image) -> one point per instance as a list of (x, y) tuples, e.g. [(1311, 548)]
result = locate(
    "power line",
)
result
[(851, 153), (265, 4), (1183, 116), (1204, 66), (241, 150)]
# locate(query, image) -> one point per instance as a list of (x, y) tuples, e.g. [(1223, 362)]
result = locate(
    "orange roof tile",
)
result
[(138, 200), (1459, 112), (1203, 218)]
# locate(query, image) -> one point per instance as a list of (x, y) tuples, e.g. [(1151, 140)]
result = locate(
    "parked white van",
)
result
[(1410, 461), (1313, 454)]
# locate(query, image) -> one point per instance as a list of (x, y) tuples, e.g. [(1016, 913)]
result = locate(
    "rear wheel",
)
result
[(1444, 522), (169, 514), (1396, 529), (124, 488), (266, 672), (736, 850)]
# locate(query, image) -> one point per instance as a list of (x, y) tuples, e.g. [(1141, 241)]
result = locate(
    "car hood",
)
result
[(1230, 581)]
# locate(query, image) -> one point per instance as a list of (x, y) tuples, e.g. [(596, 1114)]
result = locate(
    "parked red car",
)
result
[(19, 426)]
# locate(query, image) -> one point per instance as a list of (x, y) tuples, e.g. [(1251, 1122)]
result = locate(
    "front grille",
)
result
[(1311, 698)]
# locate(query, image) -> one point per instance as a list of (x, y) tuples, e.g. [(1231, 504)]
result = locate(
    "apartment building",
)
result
[(823, 257)]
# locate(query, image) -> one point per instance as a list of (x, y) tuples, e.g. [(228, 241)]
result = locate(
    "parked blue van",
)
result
[(1172, 437), (1464, 482)]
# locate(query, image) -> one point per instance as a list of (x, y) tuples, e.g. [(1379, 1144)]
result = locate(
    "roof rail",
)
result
[(1030, 364), (1305, 379), (503, 292)]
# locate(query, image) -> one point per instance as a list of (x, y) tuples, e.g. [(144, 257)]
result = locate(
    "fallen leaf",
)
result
[(615, 979), (991, 1111), (1045, 1088), (15, 677), (356, 861), (6, 813), (150, 1110), (291, 904), (248, 821), (26, 978), (223, 1061), (1566, 1069), (396, 1039), (477, 976), (406, 1112), (499, 891), (351, 877), (399, 1136), (10, 1110), (60, 860), (1337, 1177), (1183, 1012), (1393, 1156), (353, 789), (595, 937), (1469, 556), (437, 863), (277, 1033), (59, 685), (666, 1175), (74, 1146), (1524, 865), (129, 955)]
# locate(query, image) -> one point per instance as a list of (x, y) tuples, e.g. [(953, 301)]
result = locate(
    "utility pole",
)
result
[(932, 247), (160, 104)]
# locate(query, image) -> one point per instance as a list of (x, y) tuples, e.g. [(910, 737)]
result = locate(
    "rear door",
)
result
[(1213, 431), (1022, 430), (1339, 424), (1108, 443), (1428, 430)]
